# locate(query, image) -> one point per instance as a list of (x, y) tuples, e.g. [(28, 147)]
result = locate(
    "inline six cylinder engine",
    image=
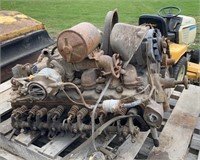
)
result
[(77, 87)]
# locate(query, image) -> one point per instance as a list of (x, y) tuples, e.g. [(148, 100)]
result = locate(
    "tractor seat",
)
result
[(157, 22), (174, 24)]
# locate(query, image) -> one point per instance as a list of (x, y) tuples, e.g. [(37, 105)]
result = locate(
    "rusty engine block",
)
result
[(87, 82)]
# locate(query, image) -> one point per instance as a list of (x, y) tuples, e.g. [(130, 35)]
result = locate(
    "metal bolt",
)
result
[(75, 130), (119, 89), (98, 89)]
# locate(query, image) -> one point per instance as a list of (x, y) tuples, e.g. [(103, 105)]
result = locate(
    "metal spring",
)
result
[(50, 112), (73, 111), (15, 111), (19, 111), (99, 111), (34, 110), (59, 110), (83, 112), (42, 112), (22, 109)]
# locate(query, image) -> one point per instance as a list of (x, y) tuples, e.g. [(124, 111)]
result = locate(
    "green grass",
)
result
[(61, 14)]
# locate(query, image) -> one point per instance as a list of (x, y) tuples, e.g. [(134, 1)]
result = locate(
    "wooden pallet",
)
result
[(33, 146), (194, 147), (176, 135)]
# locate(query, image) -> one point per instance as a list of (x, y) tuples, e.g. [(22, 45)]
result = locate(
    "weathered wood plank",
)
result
[(128, 150), (4, 155), (147, 147), (5, 96), (195, 143), (175, 94), (28, 138), (176, 135), (5, 86), (5, 127), (198, 124), (172, 102), (86, 148), (166, 115), (5, 107), (191, 156), (57, 145), (29, 153)]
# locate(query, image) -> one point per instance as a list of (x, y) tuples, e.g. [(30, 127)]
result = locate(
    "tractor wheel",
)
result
[(180, 69), (195, 56)]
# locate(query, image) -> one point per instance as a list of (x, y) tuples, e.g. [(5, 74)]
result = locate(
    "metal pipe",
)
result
[(154, 134)]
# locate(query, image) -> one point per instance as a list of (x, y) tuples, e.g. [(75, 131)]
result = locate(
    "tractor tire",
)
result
[(195, 56), (180, 69)]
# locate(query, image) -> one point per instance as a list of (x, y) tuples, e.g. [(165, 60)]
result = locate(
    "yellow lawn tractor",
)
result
[(21, 37), (180, 31)]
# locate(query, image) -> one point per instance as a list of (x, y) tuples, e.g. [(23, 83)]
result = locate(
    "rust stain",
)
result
[(183, 119)]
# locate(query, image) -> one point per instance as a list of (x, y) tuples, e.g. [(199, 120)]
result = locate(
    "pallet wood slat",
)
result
[(5, 127), (5, 107), (147, 146), (198, 124), (28, 138), (5, 86), (57, 145), (4, 155), (179, 127), (175, 94), (191, 156), (195, 143), (172, 102), (128, 150), (5, 96), (82, 151), (166, 115), (29, 153)]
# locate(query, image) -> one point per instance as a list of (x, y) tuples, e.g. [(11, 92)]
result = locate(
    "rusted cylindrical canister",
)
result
[(76, 43)]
